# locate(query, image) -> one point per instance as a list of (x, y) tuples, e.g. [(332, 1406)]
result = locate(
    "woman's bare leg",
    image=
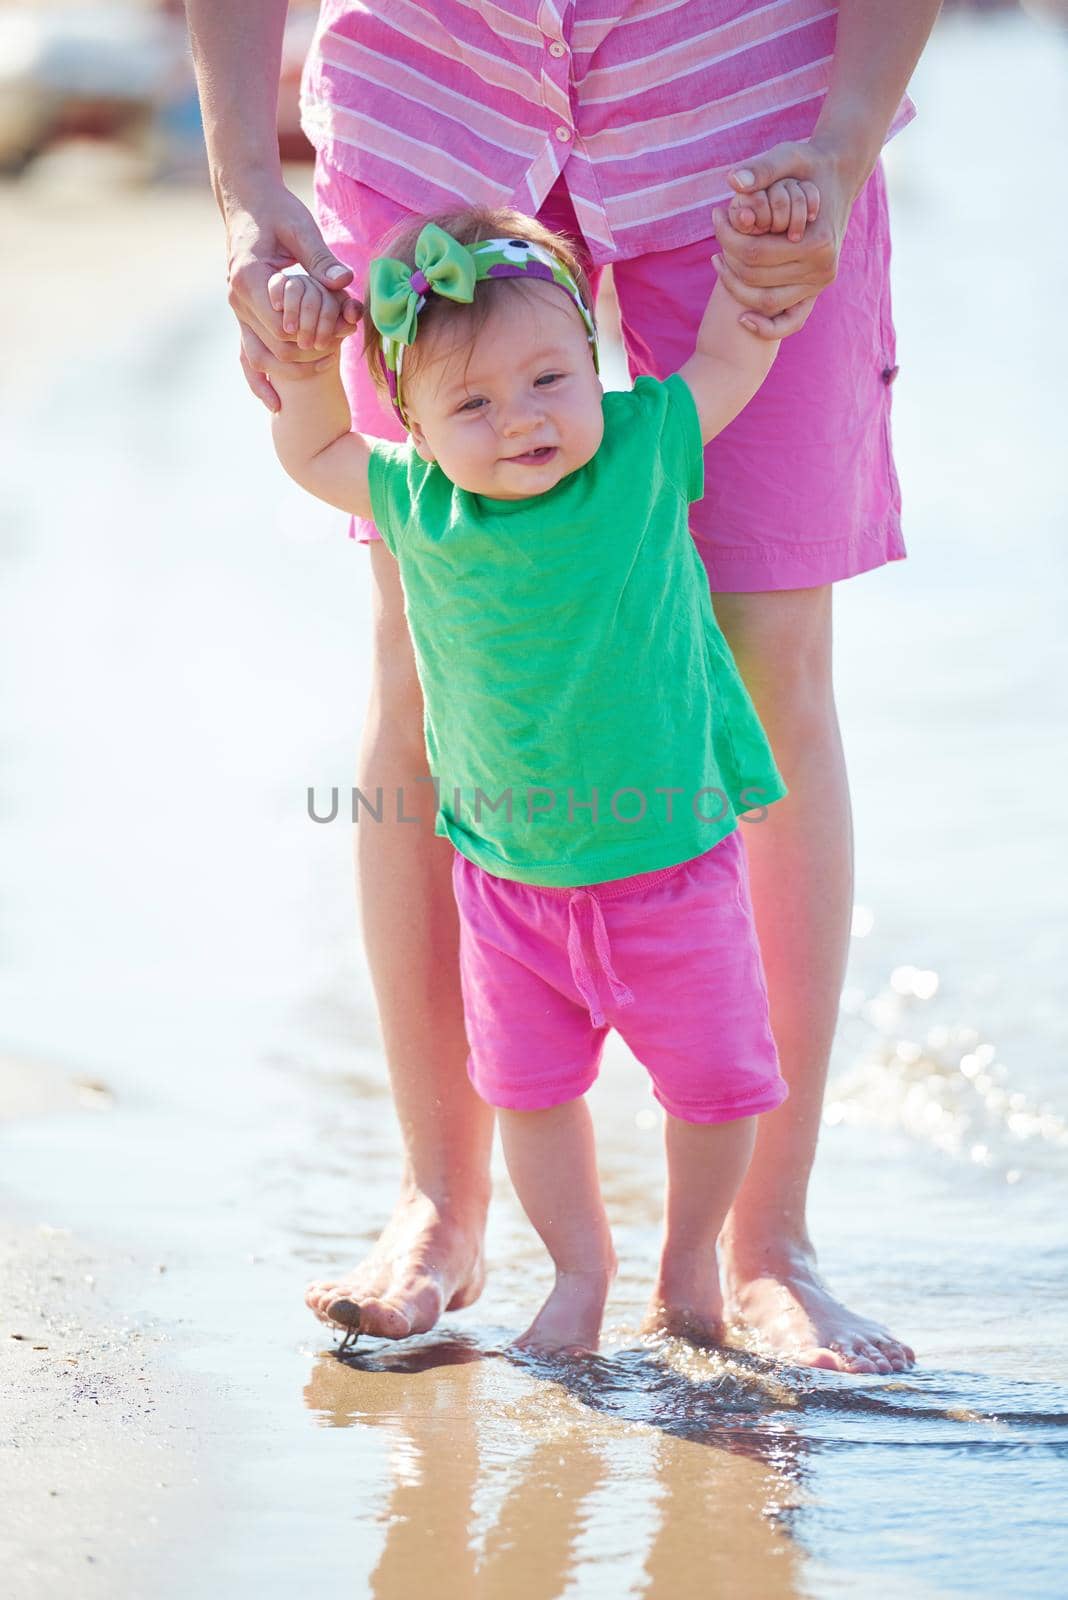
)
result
[(429, 1257), (552, 1161), (801, 868)]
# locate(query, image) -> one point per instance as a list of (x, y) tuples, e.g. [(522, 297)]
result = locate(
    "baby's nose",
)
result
[(520, 418)]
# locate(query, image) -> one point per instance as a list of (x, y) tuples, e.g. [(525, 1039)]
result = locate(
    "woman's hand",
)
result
[(776, 278), (312, 316), (267, 229)]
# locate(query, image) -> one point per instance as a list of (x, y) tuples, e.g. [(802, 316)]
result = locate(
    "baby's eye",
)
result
[(472, 404), (546, 378)]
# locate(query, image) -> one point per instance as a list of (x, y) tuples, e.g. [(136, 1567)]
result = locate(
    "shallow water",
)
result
[(187, 638)]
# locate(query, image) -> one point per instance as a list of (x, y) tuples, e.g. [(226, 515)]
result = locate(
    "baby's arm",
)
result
[(787, 206), (728, 366), (312, 429)]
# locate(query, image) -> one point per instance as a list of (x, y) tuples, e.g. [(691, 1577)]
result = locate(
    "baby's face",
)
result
[(518, 410)]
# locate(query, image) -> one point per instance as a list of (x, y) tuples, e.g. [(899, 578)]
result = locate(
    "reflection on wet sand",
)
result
[(514, 1477), (656, 1469)]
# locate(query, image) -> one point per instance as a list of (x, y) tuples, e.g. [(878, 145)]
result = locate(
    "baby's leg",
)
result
[(706, 1162), (553, 1164)]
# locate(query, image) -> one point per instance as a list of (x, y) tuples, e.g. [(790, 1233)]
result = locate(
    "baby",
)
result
[(591, 740)]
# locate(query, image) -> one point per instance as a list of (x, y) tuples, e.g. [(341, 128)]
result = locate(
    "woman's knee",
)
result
[(782, 644), (395, 712)]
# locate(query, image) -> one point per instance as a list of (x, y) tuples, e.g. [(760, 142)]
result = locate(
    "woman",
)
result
[(621, 123)]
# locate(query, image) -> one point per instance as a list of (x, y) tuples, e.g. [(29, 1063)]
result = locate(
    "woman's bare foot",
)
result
[(687, 1302), (569, 1323), (425, 1262), (779, 1295)]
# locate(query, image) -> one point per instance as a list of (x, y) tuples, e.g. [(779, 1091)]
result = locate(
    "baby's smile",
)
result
[(539, 457)]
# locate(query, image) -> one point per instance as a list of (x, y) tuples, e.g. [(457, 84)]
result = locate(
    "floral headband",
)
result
[(397, 291)]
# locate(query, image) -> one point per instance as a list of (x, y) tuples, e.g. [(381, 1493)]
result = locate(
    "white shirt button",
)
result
[(563, 134), (557, 49)]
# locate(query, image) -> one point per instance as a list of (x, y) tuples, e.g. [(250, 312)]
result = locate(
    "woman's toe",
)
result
[(897, 1354), (317, 1297), (820, 1356), (853, 1356), (382, 1319), (873, 1354)]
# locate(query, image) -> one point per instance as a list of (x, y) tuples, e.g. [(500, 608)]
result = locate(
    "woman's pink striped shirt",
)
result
[(648, 103)]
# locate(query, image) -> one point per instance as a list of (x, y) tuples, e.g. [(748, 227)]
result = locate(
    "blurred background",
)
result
[(190, 1068), (120, 75)]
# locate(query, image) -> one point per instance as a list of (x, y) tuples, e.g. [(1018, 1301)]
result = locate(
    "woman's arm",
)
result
[(237, 54), (877, 46), (876, 49), (237, 49)]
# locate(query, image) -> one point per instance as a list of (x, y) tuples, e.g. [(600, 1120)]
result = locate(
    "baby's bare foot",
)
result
[(686, 1302), (569, 1322), (424, 1263)]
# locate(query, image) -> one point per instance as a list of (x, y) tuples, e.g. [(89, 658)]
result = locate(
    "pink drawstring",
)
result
[(584, 981)]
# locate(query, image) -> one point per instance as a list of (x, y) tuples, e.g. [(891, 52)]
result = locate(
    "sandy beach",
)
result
[(194, 1107), (97, 1470)]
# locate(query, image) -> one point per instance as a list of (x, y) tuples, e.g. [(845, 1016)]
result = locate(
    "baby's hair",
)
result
[(468, 227)]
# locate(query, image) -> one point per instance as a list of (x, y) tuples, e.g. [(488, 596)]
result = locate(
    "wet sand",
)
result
[(97, 1466), (193, 1079)]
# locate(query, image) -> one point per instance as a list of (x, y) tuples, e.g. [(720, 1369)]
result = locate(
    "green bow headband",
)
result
[(397, 292)]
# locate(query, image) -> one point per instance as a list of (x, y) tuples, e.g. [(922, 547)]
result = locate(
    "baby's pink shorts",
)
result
[(800, 488), (669, 959)]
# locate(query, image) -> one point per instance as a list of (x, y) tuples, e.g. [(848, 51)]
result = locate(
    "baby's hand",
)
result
[(317, 317), (787, 206)]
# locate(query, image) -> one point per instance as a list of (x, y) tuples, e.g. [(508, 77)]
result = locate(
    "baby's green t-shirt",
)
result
[(584, 717)]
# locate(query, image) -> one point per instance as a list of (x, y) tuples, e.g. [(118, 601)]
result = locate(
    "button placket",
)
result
[(556, 96)]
